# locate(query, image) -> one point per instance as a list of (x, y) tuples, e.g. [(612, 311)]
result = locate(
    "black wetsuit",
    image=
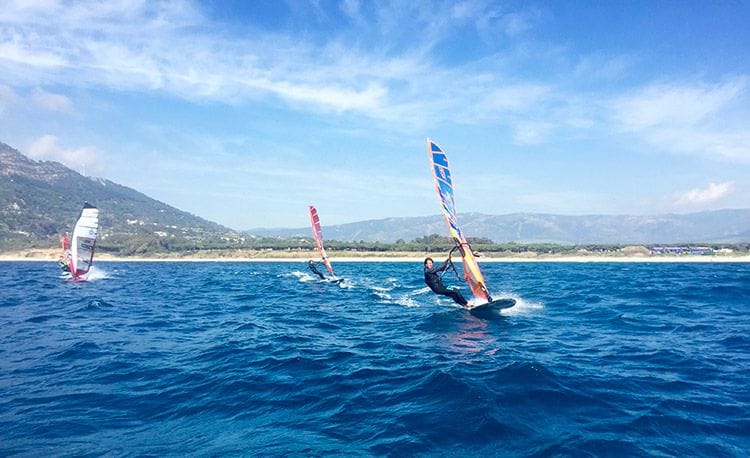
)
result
[(315, 270), (435, 283)]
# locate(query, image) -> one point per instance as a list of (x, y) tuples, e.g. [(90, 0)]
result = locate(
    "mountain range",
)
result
[(720, 226), (41, 199)]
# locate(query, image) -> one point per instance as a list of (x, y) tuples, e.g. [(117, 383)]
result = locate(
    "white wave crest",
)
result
[(522, 306), (96, 273)]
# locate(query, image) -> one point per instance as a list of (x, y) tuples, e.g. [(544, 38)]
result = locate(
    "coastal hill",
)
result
[(721, 226), (39, 200)]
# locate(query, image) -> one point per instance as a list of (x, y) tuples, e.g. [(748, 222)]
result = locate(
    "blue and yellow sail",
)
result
[(444, 186)]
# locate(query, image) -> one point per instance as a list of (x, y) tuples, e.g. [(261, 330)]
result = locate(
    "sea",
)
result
[(264, 359)]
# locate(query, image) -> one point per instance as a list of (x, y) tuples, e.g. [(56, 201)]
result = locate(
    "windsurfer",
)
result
[(63, 265), (315, 270), (435, 283)]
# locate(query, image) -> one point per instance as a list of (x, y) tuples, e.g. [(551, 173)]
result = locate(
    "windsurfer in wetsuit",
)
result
[(63, 265), (315, 270), (435, 283)]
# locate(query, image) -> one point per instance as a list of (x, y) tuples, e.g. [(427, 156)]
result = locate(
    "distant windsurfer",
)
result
[(63, 265), (315, 270), (435, 283)]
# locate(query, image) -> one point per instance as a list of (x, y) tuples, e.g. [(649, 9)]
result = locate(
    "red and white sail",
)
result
[(83, 242), (317, 233)]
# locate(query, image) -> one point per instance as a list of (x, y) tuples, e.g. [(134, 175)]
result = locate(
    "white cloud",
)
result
[(8, 98), (86, 160), (702, 196), (602, 66), (172, 47), (51, 101), (699, 119), (517, 23), (670, 105), (19, 51), (718, 144), (492, 18), (531, 133), (332, 97)]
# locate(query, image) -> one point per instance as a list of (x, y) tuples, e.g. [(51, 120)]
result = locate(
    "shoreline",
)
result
[(51, 255)]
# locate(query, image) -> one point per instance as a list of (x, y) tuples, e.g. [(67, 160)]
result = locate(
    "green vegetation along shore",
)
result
[(434, 245)]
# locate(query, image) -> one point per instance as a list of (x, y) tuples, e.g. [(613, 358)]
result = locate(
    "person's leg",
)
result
[(456, 296), (453, 294), (459, 298)]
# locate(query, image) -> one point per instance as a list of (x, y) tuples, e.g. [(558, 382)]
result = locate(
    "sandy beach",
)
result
[(50, 255)]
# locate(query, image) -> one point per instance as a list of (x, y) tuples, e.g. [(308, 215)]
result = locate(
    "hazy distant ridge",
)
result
[(726, 226)]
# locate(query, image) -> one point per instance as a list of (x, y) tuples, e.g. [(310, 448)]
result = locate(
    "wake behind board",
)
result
[(492, 307)]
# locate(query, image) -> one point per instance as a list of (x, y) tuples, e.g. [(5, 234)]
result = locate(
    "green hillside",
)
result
[(39, 200)]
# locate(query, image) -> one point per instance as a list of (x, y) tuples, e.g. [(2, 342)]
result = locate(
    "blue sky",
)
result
[(245, 113)]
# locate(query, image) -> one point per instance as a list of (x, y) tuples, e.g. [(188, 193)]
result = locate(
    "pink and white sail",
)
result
[(317, 233)]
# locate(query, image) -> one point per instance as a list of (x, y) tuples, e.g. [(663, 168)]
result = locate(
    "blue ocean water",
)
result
[(599, 359)]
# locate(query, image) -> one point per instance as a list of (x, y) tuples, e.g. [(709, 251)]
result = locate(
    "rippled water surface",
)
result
[(261, 359)]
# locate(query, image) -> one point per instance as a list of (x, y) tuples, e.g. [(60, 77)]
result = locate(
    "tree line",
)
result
[(146, 245)]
